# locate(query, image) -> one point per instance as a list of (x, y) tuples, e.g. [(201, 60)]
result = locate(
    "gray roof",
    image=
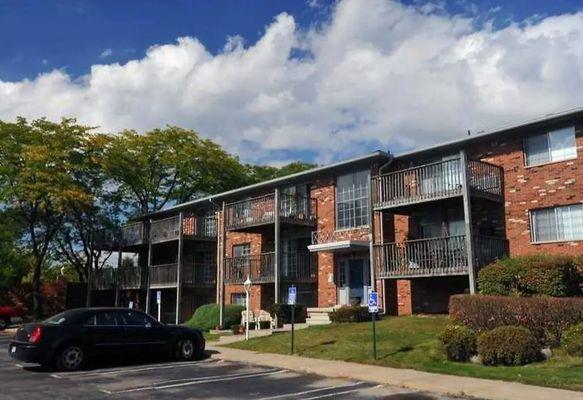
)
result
[(458, 143), (378, 155)]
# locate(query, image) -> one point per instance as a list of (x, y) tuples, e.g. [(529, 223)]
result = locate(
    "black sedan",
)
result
[(70, 339)]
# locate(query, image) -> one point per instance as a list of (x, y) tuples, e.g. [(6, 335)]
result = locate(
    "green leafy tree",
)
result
[(261, 173), (36, 163), (14, 261), (168, 166)]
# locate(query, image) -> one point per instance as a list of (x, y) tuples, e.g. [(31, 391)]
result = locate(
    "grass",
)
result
[(211, 337), (411, 342)]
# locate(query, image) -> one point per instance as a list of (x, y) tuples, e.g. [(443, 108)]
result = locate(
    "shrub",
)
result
[(283, 313), (545, 317), (207, 317), (573, 340), (508, 345), (458, 342), (350, 314), (557, 276)]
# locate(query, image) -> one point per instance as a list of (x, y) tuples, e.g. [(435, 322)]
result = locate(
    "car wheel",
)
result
[(71, 357), (186, 349), (4, 322)]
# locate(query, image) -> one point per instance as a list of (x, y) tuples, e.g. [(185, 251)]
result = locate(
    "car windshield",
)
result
[(58, 319)]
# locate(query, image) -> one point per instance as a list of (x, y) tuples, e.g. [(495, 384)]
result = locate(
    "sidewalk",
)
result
[(424, 381)]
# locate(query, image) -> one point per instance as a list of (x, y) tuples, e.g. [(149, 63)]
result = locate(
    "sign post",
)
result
[(373, 309), (291, 300), (159, 302), (131, 304)]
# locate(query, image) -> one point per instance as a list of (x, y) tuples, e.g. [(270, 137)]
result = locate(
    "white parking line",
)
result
[(199, 381), (331, 394), (290, 395), (142, 368)]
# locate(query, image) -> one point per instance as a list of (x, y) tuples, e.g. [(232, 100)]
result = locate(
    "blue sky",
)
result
[(468, 67), (72, 34)]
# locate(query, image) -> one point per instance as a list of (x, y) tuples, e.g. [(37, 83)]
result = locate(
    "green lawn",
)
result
[(411, 342), (211, 337)]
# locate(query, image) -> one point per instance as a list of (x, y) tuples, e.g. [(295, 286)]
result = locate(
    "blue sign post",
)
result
[(373, 309), (291, 300)]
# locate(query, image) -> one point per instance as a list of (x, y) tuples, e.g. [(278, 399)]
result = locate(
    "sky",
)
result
[(278, 81)]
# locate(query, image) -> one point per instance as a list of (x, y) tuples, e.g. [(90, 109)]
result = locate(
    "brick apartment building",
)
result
[(435, 216)]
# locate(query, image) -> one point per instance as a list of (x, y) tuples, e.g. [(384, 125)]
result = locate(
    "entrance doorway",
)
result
[(353, 281)]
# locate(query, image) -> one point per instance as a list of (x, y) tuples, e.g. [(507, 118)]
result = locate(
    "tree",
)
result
[(36, 164), (80, 236), (14, 261), (260, 173), (169, 166)]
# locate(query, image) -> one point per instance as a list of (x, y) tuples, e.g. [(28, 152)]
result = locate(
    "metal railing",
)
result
[(130, 278), (435, 256), (192, 227), (165, 229), (299, 267), (261, 210), (104, 278), (434, 181), (163, 275), (259, 268)]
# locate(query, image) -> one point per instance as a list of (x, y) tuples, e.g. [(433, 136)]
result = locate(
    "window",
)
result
[(133, 318), (557, 223), (238, 299), (241, 250), (102, 318), (551, 146), (352, 200)]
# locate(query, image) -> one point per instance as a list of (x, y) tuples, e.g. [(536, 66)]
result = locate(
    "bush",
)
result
[(458, 342), (508, 345), (573, 340), (283, 313), (545, 317), (556, 276), (207, 317), (350, 314)]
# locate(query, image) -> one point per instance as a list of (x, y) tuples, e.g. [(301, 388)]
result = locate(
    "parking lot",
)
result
[(208, 379)]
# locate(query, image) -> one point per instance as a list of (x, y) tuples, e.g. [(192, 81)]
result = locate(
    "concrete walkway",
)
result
[(424, 381)]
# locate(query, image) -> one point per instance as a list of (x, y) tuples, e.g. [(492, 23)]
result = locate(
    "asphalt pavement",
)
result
[(205, 379)]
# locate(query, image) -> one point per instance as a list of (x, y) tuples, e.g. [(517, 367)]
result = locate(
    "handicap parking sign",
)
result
[(373, 302), (291, 295)]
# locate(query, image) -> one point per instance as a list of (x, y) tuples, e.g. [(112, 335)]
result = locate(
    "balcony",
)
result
[(193, 274), (341, 240), (104, 279), (443, 256), (261, 211), (436, 181), (134, 234), (131, 278), (295, 267), (193, 227)]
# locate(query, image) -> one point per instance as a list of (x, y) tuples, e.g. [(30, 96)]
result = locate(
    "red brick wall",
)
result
[(528, 188)]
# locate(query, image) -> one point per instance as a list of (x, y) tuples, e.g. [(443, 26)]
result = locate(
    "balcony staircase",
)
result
[(319, 316)]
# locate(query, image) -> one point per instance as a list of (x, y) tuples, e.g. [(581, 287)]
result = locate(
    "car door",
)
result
[(103, 332), (143, 335)]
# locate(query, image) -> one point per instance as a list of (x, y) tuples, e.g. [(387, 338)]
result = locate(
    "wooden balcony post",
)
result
[(148, 295), (468, 220), (276, 263), (221, 269), (179, 265)]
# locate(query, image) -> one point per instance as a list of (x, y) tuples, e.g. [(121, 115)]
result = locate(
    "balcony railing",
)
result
[(199, 274), (104, 279), (261, 268), (192, 227), (328, 236), (435, 256), (134, 234), (118, 278), (261, 210), (434, 181), (163, 275)]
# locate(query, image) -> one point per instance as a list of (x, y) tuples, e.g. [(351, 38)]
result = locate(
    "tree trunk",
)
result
[(37, 296)]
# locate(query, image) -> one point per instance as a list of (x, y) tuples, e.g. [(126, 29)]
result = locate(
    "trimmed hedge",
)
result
[(545, 317), (458, 342), (573, 340), (207, 317), (508, 345), (350, 314), (283, 313), (556, 276)]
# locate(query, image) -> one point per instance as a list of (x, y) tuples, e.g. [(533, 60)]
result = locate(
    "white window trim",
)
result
[(533, 226)]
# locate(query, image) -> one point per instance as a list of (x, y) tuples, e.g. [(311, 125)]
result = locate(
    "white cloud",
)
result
[(376, 74), (106, 53)]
